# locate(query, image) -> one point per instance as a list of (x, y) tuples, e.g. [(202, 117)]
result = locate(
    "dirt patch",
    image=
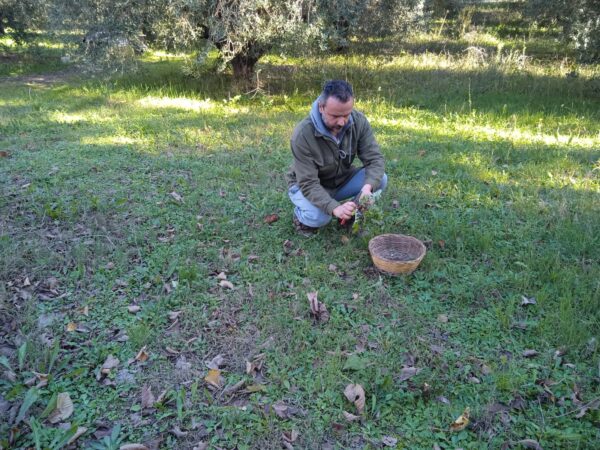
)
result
[(42, 79)]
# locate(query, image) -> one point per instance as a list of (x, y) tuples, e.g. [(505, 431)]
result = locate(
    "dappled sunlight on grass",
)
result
[(177, 103), (113, 140)]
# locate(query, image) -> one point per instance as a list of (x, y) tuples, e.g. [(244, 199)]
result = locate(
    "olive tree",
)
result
[(16, 16), (579, 20)]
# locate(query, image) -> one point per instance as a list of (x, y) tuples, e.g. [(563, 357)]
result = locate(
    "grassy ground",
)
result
[(122, 201)]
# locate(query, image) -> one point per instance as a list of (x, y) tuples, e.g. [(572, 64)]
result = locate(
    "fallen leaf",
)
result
[(594, 405), (434, 172), (214, 378), (133, 447), (148, 399), (71, 326), (80, 431), (442, 244), (529, 353), (389, 441), (462, 421), (290, 436), (4, 154), (226, 284), (173, 315), (356, 394), (85, 310), (280, 410), (443, 318), (201, 446), (63, 410), (110, 363), (134, 309), (178, 198), (527, 301), (176, 431), (345, 239), (216, 362), (530, 443), (408, 372), (255, 388), (221, 276), (443, 400), (142, 355), (350, 417), (317, 309), (271, 218)]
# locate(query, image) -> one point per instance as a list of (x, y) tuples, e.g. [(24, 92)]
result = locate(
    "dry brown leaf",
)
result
[(63, 410), (221, 276), (350, 417), (4, 154), (178, 198), (281, 410), (134, 309), (173, 315), (148, 399), (345, 239), (356, 394), (80, 431), (317, 309), (408, 372), (226, 284), (443, 318), (201, 446), (214, 378), (529, 353), (71, 326), (133, 447), (269, 219), (462, 421), (216, 362), (290, 436), (85, 310), (389, 441), (593, 405), (142, 355), (176, 431), (110, 363)]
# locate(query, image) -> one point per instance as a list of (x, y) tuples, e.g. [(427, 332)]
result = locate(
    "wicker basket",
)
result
[(396, 253)]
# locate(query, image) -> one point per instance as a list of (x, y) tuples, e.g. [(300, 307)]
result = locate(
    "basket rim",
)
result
[(381, 237)]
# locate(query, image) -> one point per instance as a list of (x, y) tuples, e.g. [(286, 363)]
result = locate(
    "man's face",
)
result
[(336, 114)]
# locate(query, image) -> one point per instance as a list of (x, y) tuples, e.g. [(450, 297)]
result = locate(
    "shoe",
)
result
[(302, 229)]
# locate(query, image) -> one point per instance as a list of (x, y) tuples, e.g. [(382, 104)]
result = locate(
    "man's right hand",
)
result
[(345, 210)]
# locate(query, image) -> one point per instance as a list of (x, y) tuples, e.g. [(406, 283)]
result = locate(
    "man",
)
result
[(324, 145)]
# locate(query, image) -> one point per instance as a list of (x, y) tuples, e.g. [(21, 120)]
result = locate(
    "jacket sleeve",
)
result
[(307, 176), (370, 155)]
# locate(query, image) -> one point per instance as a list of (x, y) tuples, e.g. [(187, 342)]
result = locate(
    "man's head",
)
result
[(335, 104)]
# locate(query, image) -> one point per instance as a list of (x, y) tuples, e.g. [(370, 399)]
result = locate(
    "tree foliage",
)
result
[(579, 20), (16, 16)]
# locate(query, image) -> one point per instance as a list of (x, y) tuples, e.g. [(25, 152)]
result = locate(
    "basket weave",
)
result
[(396, 253)]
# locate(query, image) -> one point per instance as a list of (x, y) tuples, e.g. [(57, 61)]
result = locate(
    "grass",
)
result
[(494, 161)]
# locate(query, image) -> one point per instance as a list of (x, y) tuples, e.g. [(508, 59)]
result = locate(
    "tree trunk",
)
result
[(243, 65)]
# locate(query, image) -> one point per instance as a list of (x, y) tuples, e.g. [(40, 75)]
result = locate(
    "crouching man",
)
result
[(322, 181)]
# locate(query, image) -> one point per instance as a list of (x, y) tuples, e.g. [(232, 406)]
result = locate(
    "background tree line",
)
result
[(241, 31)]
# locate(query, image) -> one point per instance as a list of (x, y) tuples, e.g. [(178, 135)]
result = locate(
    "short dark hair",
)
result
[(340, 89)]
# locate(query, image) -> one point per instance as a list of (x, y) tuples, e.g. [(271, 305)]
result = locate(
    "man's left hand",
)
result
[(367, 189)]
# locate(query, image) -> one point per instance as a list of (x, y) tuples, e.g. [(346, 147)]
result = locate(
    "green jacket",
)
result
[(318, 167)]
